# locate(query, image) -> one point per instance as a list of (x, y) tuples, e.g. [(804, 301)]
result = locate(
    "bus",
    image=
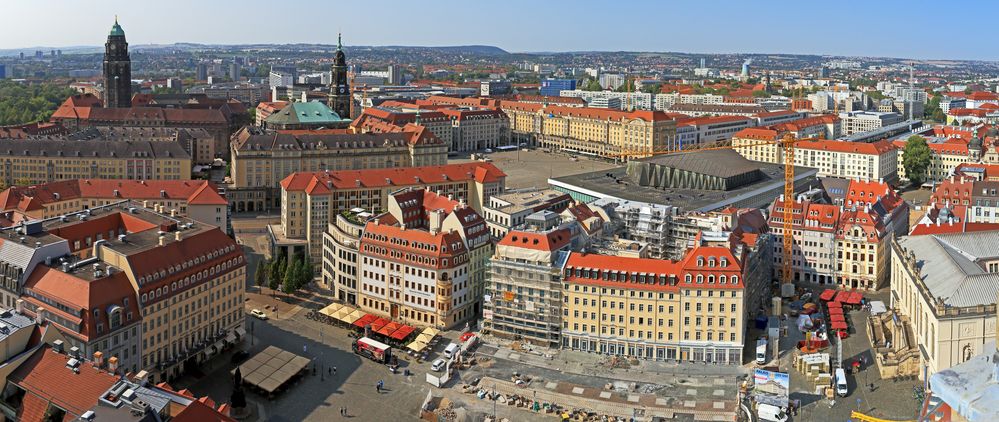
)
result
[(373, 349), (506, 148)]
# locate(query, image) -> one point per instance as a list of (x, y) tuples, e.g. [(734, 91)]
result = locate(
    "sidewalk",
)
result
[(583, 363)]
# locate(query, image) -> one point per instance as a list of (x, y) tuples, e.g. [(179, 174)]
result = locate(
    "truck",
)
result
[(373, 349), (761, 351)]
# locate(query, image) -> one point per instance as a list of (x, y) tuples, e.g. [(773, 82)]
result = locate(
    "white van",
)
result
[(769, 412), (841, 387), (451, 350)]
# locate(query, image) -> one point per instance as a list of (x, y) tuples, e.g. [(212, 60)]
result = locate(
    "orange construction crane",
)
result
[(786, 145)]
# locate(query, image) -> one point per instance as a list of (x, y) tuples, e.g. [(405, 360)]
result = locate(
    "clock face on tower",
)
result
[(342, 89)]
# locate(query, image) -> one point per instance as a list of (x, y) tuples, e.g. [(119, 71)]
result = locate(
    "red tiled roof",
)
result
[(45, 375), (762, 134), (875, 148), (399, 176), (550, 241), (159, 258), (28, 198), (74, 292), (700, 121), (200, 411)]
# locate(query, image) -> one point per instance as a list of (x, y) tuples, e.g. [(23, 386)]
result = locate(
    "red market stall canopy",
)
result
[(835, 311), (402, 332), (854, 298), (365, 320), (378, 324), (835, 305), (827, 295), (842, 296), (837, 318), (838, 325), (389, 328)]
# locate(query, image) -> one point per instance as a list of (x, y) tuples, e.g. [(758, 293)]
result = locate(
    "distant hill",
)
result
[(482, 50), (478, 50)]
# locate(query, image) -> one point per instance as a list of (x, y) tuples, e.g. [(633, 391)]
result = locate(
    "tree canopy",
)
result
[(916, 159), (21, 103)]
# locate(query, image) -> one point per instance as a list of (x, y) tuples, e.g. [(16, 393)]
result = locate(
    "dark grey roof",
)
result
[(61, 147), (140, 133), (720, 163), (269, 140), (950, 269)]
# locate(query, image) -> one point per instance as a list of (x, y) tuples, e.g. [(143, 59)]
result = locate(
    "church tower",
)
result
[(117, 70), (339, 99)]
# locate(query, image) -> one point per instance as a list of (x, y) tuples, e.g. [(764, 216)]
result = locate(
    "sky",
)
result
[(842, 27)]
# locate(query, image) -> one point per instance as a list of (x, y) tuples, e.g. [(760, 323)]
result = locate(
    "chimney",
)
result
[(145, 204), (39, 315), (57, 346), (177, 236), (99, 359), (19, 306), (162, 240), (173, 212), (113, 364)]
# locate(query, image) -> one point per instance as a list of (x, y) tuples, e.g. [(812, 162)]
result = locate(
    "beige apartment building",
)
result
[(944, 286), (197, 199), (849, 160), (692, 310), (310, 201), (944, 158), (261, 159), (34, 161)]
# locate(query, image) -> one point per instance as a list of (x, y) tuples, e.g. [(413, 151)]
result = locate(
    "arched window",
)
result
[(700, 261), (700, 279), (722, 279), (735, 279)]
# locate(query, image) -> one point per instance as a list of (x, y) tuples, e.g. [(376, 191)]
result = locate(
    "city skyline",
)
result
[(540, 27)]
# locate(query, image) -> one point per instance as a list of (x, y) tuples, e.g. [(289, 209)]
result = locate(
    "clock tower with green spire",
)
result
[(339, 97), (117, 70)]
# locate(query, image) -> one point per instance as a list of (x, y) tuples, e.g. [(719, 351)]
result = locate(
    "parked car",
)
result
[(258, 313), (438, 365), (239, 356)]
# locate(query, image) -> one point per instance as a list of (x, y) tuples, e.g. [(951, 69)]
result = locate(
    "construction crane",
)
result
[(786, 145)]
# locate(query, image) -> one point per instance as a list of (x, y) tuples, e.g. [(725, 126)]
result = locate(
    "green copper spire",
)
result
[(116, 29)]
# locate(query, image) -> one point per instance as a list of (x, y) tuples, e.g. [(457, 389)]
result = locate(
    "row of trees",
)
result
[(287, 275), (21, 103)]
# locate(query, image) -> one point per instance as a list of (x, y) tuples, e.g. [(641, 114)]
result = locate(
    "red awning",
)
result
[(365, 320), (835, 305), (854, 298), (402, 332), (842, 296), (835, 311), (389, 328), (838, 325), (837, 318), (827, 295), (378, 324)]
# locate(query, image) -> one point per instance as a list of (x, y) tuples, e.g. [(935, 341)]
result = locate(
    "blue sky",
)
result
[(852, 27)]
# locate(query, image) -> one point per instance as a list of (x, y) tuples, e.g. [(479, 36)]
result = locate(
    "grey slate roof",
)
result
[(60, 147), (949, 265)]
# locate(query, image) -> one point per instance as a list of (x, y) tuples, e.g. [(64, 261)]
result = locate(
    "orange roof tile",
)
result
[(399, 176), (44, 374), (550, 241), (28, 198)]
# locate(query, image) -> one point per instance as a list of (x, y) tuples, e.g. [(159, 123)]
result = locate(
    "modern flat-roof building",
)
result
[(510, 209), (695, 181), (863, 121)]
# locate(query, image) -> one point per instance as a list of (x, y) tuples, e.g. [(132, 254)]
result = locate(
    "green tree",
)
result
[(592, 85), (23, 103), (761, 94), (290, 275), (967, 90), (277, 272), (260, 276), (916, 159), (875, 95)]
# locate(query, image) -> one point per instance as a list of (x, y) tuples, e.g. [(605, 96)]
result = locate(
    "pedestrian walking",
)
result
[(329, 371), (334, 370)]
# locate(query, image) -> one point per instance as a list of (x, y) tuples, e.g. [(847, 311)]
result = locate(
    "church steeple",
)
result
[(339, 96), (117, 69)]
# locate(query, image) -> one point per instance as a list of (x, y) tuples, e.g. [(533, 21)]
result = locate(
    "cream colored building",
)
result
[(35, 161), (261, 159), (944, 158), (848, 160), (590, 131), (946, 286), (310, 201), (692, 310)]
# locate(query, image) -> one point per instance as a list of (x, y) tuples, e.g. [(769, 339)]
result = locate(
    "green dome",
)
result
[(116, 29)]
